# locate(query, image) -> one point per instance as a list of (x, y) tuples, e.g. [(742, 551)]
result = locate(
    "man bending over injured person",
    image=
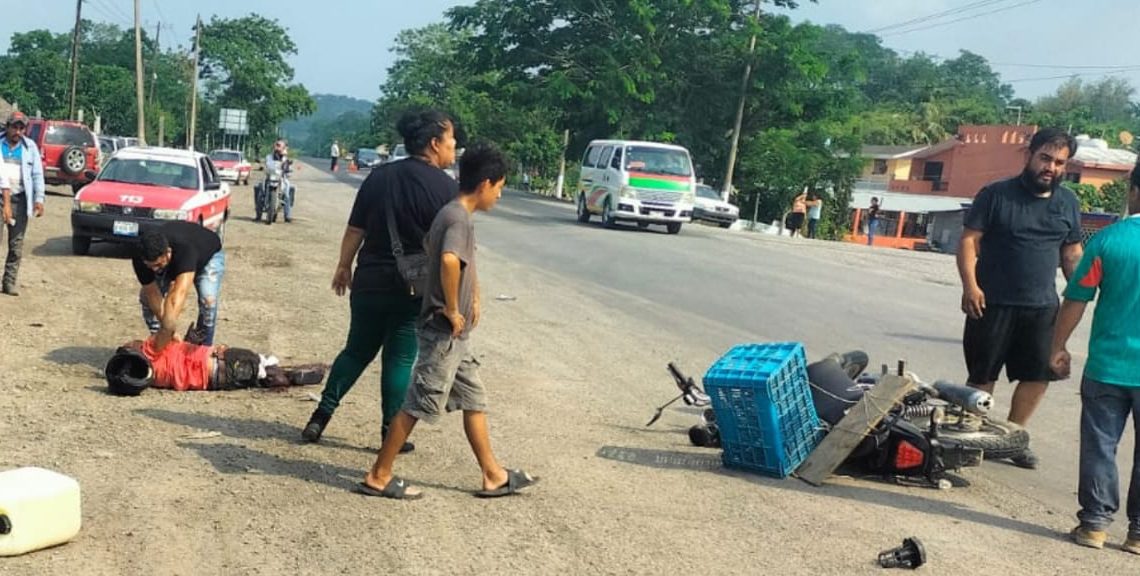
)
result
[(182, 366)]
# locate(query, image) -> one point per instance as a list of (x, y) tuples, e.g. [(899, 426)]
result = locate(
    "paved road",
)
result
[(722, 288)]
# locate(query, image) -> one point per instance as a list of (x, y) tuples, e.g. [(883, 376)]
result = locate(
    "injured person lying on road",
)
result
[(181, 366)]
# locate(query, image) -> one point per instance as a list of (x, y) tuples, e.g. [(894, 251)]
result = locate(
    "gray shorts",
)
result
[(445, 371)]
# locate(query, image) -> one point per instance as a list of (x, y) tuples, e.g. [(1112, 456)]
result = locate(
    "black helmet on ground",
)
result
[(128, 373)]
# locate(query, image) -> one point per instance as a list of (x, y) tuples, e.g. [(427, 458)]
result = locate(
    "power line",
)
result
[(157, 8), (1077, 75), (112, 12), (937, 57), (107, 15), (962, 19), (928, 17)]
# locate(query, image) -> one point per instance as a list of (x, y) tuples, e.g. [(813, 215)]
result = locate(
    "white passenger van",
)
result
[(642, 182)]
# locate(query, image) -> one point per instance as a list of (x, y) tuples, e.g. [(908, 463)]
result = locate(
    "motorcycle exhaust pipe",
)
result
[(971, 399)]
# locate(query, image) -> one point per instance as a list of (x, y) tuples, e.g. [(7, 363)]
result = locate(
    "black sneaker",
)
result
[(407, 447), (1027, 459), (316, 426), (11, 291)]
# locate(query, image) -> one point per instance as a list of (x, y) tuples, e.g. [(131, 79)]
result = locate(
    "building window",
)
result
[(1074, 177), (879, 168)]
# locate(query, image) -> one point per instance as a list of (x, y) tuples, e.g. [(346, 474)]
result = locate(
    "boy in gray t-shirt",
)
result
[(446, 375)]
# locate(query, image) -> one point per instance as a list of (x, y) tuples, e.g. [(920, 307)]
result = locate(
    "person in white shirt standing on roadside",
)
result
[(22, 185), (335, 153)]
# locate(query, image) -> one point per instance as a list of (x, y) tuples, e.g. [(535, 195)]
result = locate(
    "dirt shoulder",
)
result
[(218, 483)]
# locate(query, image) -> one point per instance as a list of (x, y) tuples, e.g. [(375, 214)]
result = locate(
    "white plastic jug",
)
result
[(38, 508)]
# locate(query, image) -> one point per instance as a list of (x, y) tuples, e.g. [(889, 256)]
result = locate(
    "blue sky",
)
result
[(344, 45)]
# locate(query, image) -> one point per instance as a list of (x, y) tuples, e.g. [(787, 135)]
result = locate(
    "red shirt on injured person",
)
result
[(180, 366)]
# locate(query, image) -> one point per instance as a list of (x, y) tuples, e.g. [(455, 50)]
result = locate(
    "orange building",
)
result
[(911, 180), (1097, 164)]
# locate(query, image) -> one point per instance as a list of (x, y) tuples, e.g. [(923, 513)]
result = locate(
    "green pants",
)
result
[(380, 321)]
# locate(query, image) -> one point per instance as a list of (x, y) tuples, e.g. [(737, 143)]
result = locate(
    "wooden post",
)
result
[(562, 167), (139, 74), (732, 151), (194, 85), (75, 57)]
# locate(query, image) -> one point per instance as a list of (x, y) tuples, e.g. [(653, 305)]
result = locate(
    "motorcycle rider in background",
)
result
[(277, 165)]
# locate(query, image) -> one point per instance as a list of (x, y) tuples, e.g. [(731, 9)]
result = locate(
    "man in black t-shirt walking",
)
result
[(1017, 233), (169, 260)]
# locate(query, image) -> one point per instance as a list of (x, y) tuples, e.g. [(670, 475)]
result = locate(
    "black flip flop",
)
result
[(516, 481), (397, 489)]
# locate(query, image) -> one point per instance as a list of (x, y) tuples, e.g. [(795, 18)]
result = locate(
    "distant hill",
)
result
[(329, 108)]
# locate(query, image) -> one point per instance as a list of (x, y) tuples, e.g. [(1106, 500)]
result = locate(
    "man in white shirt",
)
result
[(335, 153)]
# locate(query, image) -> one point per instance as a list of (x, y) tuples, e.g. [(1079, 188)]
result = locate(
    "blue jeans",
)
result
[(288, 190), (872, 228), (208, 284), (1104, 413)]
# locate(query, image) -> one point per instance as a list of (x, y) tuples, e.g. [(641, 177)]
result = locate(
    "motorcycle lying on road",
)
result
[(935, 429), (269, 195)]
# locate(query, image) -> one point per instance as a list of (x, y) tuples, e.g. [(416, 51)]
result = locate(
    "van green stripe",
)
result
[(659, 184)]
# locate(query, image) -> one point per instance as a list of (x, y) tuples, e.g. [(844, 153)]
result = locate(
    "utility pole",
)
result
[(740, 112), (139, 74), (194, 84), (75, 57), (562, 167), (154, 73), (161, 128)]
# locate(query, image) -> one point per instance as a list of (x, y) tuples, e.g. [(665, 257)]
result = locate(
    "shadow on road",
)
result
[(924, 338), (235, 459), (61, 246), (242, 428), (666, 459), (93, 356)]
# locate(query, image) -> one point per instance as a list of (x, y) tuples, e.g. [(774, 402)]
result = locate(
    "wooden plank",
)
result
[(850, 431)]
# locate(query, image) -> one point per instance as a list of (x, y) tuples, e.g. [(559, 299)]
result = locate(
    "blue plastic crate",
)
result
[(763, 406)]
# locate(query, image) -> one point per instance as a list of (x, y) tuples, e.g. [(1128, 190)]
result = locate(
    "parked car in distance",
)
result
[(710, 208), (140, 188), (366, 158), (70, 151), (232, 166), (108, 145), (398, 153)]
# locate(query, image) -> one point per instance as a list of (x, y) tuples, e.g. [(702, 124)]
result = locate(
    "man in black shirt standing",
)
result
[(1017, 233), (169, 260)]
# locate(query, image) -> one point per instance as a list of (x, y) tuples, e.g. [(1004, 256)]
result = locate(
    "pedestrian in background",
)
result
[(873, 220), (815, 211), (22, 181), (407, 194), (335, 153), (799, 211), (1017, 233), (1110, 388)]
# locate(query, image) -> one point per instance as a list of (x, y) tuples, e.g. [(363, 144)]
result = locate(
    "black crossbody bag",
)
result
[(413, 268)]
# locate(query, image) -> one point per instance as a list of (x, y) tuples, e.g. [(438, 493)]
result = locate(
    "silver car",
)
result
[(710, 208)]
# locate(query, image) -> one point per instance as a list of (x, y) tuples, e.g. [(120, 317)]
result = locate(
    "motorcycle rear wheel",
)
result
[(997, 439)]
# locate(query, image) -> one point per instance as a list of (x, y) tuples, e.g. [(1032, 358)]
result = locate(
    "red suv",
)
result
[(69, 149)]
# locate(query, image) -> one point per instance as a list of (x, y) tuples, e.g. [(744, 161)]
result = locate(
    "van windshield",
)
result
[(657, 161)]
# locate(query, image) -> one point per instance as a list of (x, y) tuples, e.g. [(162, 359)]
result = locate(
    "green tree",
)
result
[(245, 66)]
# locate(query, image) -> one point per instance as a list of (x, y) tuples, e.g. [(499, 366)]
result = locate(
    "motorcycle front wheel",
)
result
[(271, 207)]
